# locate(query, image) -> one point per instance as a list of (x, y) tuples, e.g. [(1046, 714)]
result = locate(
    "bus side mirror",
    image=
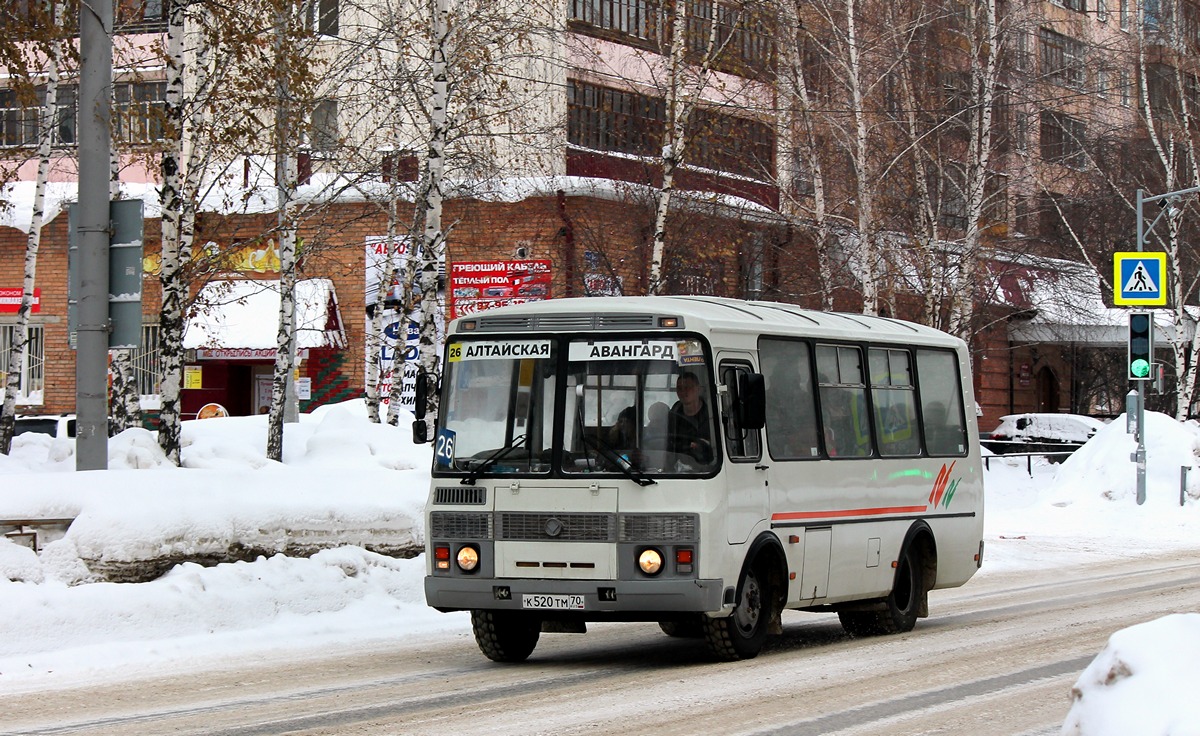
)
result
[(750, 404), (422, 395), (420, 428)]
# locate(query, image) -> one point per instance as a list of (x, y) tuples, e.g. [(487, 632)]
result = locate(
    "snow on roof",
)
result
[(244, 313)]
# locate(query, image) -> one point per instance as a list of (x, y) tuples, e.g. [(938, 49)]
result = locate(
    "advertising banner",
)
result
[(476, 286)]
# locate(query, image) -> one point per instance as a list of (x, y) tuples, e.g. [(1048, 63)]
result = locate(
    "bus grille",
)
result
[(584, 321), (461, 495), (557, 527), (458, 525), (659, 528)]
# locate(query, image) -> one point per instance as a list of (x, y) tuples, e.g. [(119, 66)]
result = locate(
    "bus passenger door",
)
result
[(745, 474)]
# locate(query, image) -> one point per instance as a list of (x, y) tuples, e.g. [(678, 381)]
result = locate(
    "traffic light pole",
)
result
[(1167, 204)]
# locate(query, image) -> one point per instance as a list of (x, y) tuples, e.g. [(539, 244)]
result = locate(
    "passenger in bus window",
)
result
[(623, 434), (690, 424)]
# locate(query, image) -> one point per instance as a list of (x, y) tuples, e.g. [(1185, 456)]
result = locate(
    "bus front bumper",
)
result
[(598, 597)]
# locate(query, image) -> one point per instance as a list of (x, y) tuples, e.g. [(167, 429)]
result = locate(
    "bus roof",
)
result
[(695, 312)]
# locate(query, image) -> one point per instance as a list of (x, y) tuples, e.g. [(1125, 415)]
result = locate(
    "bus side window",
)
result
[(894, 396), (941, 403), (843, 401), (792, 425)]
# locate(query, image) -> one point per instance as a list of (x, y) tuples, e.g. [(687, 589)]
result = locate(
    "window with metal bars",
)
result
[(1062, 139), (147, 362), (31, 378), (639, 19), (607, 119)]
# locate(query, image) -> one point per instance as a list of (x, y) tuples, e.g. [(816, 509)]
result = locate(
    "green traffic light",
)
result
[(1140, 368)]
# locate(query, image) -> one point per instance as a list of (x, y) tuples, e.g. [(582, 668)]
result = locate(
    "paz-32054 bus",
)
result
[(703, 463)]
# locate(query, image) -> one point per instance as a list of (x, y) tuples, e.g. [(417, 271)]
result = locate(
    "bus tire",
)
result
[(900, 608), (688, 628), (741, 634), (503, 636)]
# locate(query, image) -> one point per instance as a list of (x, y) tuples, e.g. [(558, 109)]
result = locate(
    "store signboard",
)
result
[(476, 286), (10, 300)]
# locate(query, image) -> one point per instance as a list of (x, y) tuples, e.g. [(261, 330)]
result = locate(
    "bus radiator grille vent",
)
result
[(659, 528), (460, 525), (625, 321), (462, 495), (564, 322), (557, 527), (501, 324)]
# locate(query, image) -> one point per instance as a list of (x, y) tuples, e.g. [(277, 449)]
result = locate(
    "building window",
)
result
[(147, 362), (1123, 14), (640, 19), (1126, 90), (731, 144), (31, 378), (1023, 56), (139, 112), (953, 210), (18, 122), (324, 126), (1079, 6), (1062, 59), (1062, 139), (1102, 11), (1102, 81), (995, 200), (139, 16), (1021, 132), (607, 119), (321, 16), (742, 40)]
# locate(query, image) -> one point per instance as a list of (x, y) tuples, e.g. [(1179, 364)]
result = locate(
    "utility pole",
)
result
[(95, 143)]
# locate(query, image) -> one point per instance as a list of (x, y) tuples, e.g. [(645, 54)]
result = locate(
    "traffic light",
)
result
[(1141, 345)]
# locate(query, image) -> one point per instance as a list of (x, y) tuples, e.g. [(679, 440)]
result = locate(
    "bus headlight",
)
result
[(468, 558), (650, 561)]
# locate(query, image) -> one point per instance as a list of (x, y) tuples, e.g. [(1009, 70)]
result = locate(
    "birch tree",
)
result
[(18, 350)]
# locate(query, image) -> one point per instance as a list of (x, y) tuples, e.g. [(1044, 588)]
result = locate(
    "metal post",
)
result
[(91, 356), (1183, 476), (1140, 455)]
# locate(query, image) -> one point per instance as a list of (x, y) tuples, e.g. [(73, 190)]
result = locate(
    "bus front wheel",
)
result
[(504, 636), (741, 634)]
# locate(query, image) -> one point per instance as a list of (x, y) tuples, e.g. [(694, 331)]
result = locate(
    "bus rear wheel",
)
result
[(741, 634), (900, 608), (504, 636)]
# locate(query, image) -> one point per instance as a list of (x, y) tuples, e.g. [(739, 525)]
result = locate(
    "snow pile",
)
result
[(1141, 682)]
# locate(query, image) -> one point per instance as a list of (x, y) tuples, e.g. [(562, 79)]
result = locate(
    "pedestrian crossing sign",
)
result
[(1140, 279)]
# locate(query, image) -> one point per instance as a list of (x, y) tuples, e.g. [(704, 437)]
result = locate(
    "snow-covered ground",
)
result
[(341, 473)]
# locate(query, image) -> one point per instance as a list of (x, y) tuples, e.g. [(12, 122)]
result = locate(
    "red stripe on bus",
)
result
[(848, 512)]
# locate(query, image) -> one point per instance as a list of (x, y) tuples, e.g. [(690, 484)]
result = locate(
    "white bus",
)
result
[(700, 462)]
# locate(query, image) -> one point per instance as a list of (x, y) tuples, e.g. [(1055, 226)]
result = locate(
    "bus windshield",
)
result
[(635, 408)]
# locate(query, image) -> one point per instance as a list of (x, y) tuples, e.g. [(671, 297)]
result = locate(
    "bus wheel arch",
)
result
[(908, 600), (758, 602)]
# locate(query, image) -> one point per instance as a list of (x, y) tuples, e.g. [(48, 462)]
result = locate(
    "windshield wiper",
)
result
[(491, 460), (621, 462)]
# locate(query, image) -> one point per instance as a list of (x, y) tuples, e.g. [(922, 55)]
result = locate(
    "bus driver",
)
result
[(689, 425)]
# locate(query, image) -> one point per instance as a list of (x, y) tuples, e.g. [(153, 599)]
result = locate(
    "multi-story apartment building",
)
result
[(792, 123)]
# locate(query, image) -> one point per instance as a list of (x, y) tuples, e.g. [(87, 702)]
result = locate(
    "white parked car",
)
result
[(55, 425), (1019, 432)]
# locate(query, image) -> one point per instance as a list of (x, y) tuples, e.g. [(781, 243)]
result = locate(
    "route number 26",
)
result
[(443, 452)]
